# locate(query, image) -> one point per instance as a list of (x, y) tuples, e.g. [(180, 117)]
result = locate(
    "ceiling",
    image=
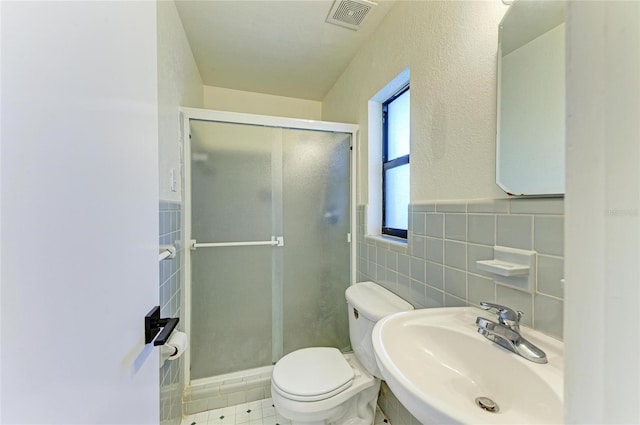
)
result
[(278, 47)]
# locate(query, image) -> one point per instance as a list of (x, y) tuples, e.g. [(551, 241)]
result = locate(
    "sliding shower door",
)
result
[(270, 217), (316, 253)]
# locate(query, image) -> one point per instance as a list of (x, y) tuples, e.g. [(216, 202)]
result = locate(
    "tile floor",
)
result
[(259, 412)]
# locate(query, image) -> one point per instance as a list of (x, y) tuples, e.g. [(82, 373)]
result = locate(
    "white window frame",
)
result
[(374, 204)]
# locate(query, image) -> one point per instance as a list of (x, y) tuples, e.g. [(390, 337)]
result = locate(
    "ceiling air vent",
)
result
[(350, 13)]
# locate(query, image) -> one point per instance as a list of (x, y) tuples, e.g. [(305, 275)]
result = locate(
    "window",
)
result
[(395, 164)]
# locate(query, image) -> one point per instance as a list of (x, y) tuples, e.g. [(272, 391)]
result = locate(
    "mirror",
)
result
[(531, 99)]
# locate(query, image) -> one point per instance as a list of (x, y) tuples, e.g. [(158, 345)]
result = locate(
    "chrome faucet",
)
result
[(506, 332)]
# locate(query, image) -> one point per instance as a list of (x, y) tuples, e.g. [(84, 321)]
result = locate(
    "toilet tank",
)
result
[(368, 303)]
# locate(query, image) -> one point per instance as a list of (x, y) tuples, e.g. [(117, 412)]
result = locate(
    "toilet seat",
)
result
[(312, 374)]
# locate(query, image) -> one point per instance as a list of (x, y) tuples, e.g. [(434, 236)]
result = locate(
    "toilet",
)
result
[(321, 385)]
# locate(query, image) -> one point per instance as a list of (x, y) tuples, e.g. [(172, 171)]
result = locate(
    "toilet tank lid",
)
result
[(374, 302)]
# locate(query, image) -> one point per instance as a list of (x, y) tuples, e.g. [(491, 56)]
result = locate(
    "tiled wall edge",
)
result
[(530, 205), (443, 284), (393, 409), (478, 286), (170, 205), (202, 397), (170, 287)]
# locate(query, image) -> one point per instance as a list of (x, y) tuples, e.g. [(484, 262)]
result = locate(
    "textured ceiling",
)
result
[(275, 47)]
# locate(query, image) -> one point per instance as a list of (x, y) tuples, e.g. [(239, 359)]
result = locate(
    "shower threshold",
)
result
[(259, 412)]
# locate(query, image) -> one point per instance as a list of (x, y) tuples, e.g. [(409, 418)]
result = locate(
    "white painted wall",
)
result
[(79, 212), (179, 84), (450, 47), (602, 227), (229, 100)]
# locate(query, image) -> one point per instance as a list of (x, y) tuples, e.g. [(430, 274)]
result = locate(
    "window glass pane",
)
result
[(397, 197), (398, 126)]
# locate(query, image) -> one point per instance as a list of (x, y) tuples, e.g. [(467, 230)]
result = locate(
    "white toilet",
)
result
[(320, 385)]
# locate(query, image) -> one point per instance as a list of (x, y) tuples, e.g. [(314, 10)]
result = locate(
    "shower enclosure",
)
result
[(268, 218)]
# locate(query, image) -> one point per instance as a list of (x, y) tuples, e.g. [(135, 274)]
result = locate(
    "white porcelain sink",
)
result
[(437, 364)]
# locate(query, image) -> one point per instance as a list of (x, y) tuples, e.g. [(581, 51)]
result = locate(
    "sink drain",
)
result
[(485, 403)]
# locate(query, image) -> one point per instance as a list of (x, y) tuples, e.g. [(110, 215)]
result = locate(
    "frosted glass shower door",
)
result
[(316, 226), (231, 201), (250, 305)]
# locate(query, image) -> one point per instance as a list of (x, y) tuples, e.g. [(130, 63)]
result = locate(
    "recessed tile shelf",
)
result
[(514, 267)]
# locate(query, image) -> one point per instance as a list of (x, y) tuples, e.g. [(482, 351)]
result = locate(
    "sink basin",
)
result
[(437, 365)]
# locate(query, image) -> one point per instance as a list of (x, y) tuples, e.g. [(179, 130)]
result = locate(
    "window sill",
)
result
[(390, 242)]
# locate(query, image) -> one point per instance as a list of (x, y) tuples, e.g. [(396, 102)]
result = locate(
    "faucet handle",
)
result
[(506, 315)]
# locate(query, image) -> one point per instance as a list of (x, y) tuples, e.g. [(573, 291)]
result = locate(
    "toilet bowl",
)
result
[(321, 385)]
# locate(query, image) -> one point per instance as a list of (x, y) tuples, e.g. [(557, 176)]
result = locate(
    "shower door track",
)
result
[(188, 114)]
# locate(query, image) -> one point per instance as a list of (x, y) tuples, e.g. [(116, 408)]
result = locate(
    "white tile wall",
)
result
[(228, 390), (436, 267), (259, 412), (392, 411), (170, 287)]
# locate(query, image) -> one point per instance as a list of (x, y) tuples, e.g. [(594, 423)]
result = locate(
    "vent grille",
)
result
[(350, 13)]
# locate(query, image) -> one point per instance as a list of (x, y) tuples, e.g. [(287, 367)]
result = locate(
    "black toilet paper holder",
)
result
[(153, 324)]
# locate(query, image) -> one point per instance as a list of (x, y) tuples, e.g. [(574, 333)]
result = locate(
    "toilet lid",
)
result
[(312, 374)]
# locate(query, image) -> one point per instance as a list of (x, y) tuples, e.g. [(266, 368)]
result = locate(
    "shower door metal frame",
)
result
[(188, 114)]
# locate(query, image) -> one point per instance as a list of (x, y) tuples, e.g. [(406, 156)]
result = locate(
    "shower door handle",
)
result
[(275, 241)]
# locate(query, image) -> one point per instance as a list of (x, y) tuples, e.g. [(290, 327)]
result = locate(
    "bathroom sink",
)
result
[(437, 365)]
